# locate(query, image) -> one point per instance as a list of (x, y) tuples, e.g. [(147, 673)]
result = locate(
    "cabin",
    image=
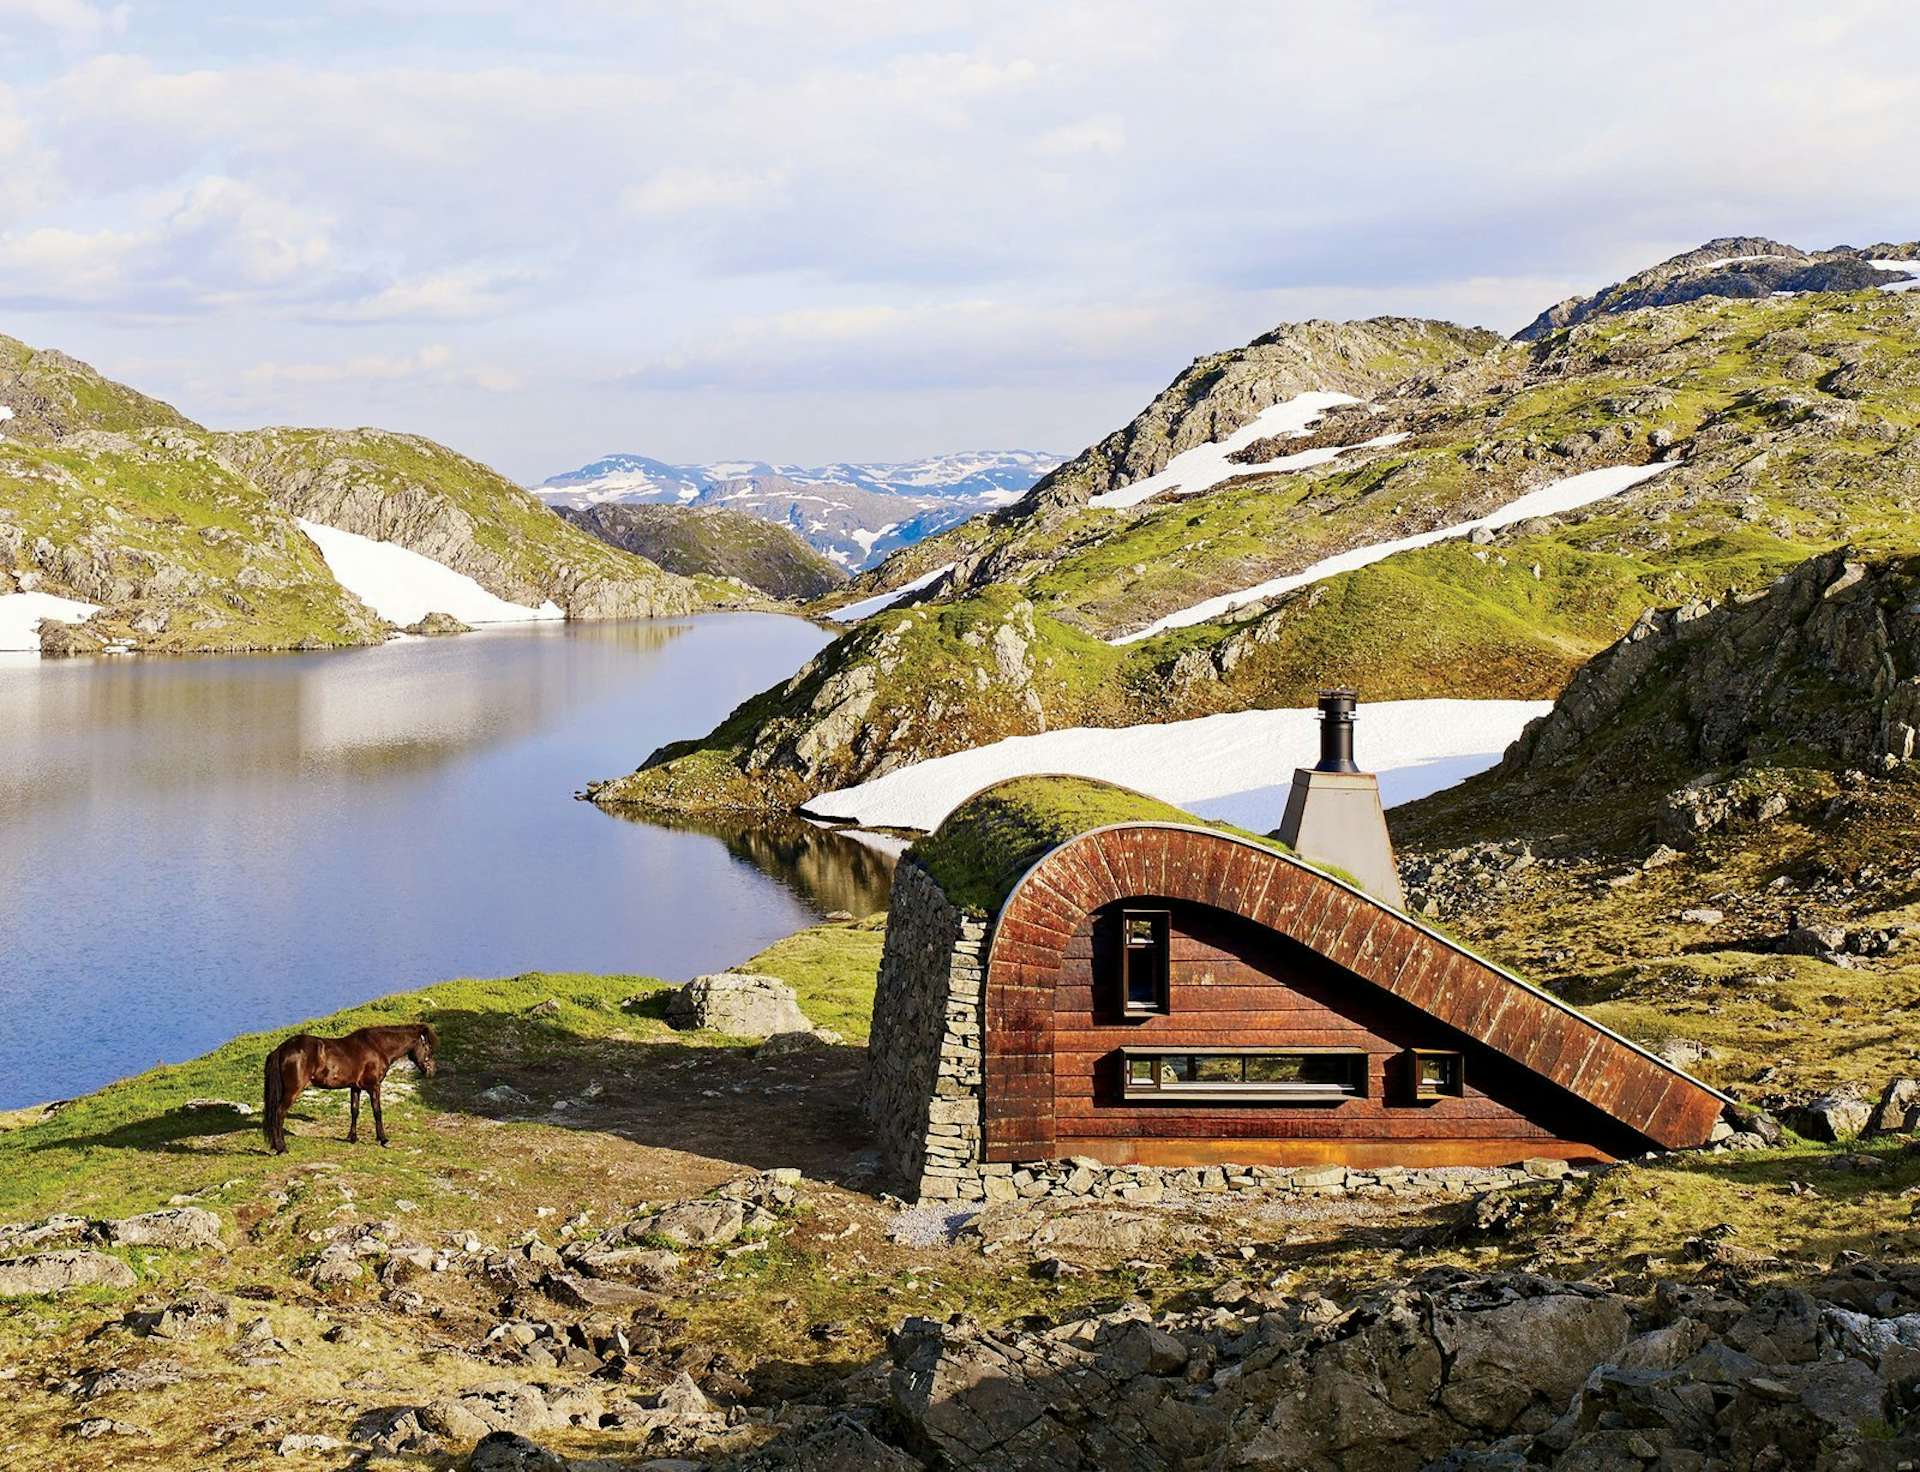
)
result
[(1076, 970)]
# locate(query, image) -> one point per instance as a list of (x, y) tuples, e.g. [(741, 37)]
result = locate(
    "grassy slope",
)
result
[(1795, 418), (304, 468), (722, 544), (148, 513)]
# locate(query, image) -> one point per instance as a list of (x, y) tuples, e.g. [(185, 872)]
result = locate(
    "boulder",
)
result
[(739, 1004), (693, 1223), (177, 1228), (1830, 1117), (503, 1451), (60, 1272), (1898, 1111)]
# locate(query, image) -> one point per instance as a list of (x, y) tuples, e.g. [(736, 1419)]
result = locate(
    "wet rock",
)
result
[(739, 1004), (43, 1273)]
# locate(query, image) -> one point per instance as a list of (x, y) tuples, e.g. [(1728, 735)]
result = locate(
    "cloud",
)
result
[(436, 363), (457, 293), (1089, 135), (217, 241), (845, 202), (74, 24), (681, 191)]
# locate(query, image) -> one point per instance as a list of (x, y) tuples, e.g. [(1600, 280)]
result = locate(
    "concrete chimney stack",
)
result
[(1334, 816)]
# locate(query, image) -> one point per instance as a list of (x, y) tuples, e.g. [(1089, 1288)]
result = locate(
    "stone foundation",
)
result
[(1085, 1179)]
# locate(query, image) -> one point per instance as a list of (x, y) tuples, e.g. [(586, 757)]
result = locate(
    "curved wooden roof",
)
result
[(1380, 945)]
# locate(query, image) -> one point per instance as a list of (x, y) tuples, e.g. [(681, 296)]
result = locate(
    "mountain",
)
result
[(855, 513), (729, 544), (1414, 508), (1738, 266), (185, 540)]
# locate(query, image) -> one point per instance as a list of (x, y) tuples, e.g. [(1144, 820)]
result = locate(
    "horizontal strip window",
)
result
[(1266, 1075)]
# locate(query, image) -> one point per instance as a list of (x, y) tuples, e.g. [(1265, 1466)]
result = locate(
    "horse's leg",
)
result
[(353, 1114), (379, 1124), (295, 1084)]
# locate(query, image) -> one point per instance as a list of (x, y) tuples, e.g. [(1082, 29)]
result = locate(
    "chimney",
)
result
[(1333, 812)]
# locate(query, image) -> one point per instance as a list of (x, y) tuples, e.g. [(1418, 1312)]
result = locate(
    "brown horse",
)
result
[(359, 1060)]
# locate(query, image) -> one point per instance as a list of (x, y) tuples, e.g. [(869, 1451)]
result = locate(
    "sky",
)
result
[(846, 229)]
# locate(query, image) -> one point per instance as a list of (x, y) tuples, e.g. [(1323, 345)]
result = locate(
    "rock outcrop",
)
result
[(1218, 393), (1733, 266), (1826, 661)]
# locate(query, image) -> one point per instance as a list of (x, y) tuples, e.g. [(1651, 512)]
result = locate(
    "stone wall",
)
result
[(922, 1094)]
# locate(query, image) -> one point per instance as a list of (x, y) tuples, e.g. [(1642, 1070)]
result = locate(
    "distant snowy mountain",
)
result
[(855, 512)]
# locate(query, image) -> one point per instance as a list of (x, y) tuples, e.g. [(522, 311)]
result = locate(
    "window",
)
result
[(1437, 1074), (1267, 1075), (1144, 937)]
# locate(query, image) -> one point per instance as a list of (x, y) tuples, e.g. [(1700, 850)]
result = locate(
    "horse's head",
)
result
[(421, 1051)]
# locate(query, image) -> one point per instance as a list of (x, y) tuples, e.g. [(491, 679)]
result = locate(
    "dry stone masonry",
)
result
[(923, 1062)]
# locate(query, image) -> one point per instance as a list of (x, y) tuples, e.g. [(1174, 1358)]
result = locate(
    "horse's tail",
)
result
[(274, 1104)]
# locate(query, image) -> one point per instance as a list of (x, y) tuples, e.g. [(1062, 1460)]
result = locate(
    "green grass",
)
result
[(985, 845), (129, 1146)]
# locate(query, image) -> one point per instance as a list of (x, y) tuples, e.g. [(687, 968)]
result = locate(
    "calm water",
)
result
[(191, 848)]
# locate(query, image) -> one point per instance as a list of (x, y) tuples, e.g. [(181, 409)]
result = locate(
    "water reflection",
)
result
[(830, 869), (191, 847)]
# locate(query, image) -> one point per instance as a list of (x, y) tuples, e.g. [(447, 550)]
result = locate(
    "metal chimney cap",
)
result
[(1336, 730)]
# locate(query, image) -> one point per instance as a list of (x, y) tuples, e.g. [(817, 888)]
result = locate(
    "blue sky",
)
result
[(814, 231)]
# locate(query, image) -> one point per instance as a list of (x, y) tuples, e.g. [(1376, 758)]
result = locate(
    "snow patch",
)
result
[(1912, 268), (20, 615), (866, 607), (1566, 494), (1204, 466), (1234, 767), (403, 587)]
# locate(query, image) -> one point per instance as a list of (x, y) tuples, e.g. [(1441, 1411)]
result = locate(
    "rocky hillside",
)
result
[(187, 540), (1735, 266), (714, 543), (408, 490), (1752, 434)]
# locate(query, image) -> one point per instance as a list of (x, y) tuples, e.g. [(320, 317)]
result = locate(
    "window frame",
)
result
[(1455, 1087), (1241, 1092), (1158, 954)]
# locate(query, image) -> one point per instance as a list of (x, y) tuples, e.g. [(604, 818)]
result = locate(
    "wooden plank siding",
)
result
[(1266, 952)]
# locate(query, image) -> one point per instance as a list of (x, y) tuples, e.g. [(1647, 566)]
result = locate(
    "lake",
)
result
[(191, 848)]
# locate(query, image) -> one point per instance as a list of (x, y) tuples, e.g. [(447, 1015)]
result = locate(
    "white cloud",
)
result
[(679, 191), (73, 23), (1089, 135), (435, 363), (842, 203)]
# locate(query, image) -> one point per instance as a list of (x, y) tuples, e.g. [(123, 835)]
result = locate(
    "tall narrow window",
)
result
[(1144, 943)]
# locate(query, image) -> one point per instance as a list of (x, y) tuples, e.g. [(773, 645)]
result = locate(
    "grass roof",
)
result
[(979, 853)]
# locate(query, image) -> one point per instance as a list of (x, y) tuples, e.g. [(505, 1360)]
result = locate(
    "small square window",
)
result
[(1437, 1074)]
